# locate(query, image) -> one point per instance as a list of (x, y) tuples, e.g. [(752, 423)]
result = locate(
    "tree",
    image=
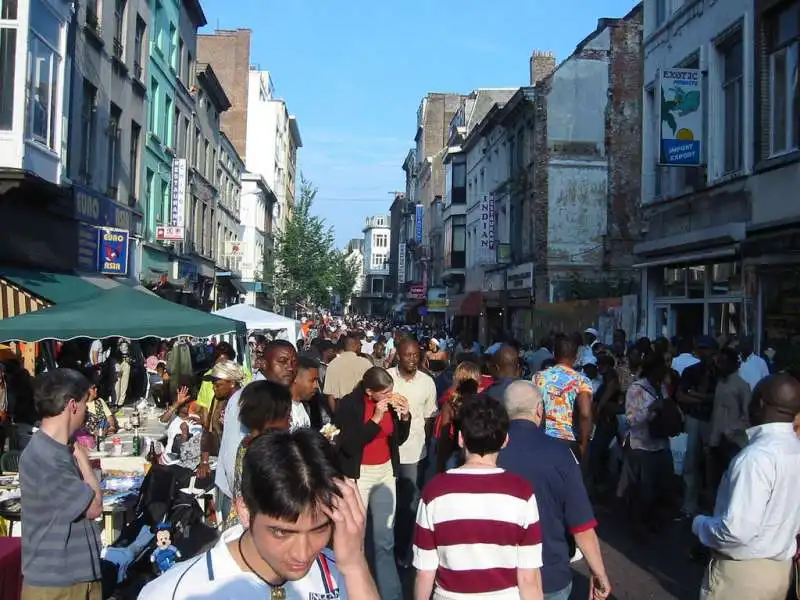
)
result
[(344, 274), (303, 255)]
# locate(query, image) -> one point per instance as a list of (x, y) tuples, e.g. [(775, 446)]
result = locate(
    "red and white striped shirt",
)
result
[(475, 528)]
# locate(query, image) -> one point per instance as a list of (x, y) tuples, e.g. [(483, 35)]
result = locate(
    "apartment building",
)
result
[(718, 254), (171, 135), (375, 296), (255, 233)]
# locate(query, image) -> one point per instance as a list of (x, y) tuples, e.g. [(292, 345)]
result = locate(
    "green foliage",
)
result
[(308, 269)]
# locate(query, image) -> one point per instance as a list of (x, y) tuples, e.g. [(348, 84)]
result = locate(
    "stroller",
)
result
[(160, 500)]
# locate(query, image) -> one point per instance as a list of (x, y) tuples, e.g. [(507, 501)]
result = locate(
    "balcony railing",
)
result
[(137, 71), (92, 20), (118, 48)]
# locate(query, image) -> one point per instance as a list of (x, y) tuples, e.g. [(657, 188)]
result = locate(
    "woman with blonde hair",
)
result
[(445, 428)]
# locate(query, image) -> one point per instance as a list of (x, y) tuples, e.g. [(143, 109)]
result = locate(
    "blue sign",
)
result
[(87, 247), (95, 209), (420, 211), (112, 251), (187, 270)]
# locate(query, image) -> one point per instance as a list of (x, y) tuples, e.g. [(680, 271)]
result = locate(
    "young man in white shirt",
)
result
[(293, 503)]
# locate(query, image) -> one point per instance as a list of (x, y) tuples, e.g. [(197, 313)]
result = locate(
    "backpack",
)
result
[(668, 419)]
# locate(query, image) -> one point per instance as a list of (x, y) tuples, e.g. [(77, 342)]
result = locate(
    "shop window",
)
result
[(726, 279), (725, 319), (696, 282), (674, 282)]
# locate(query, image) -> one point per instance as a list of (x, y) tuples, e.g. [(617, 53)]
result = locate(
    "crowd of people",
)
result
[(475, 468)]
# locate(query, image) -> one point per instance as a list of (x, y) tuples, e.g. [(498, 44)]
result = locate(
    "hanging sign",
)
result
[(112, 251)]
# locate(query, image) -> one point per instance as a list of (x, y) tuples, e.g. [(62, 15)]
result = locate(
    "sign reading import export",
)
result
[(681, 115)]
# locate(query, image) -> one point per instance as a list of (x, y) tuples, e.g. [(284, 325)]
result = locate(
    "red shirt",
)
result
[(377, 451)]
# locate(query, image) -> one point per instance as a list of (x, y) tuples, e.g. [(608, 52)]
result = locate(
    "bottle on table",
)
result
[(137, 442), (100, 436), (152, 457), (136, 419)]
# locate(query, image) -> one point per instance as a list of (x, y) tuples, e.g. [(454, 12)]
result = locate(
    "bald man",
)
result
[(752, 535)]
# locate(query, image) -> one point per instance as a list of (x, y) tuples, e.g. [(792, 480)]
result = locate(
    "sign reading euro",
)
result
[(112, 251)]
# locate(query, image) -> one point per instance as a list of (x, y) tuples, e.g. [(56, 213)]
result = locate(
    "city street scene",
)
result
[(382, 301)]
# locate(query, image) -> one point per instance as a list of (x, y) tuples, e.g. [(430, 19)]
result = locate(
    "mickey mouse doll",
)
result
[(165, 555)]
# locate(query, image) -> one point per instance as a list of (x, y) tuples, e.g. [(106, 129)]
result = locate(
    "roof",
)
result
[(294, 129), (213, 87), (195, 10), (486, 123)]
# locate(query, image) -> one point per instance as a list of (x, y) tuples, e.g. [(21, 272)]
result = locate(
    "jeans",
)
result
[(562, 594), (407, 502), (377, 487), (694, 467), (224, 506)]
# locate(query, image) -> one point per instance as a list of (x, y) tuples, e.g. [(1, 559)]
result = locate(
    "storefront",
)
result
[(436, 306), (705, 293), (519, 302), (492, 324), (775, 257)]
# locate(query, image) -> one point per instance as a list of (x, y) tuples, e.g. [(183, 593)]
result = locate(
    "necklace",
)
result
[(277, 591)]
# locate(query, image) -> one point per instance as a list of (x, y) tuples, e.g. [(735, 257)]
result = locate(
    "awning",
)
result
[(54, 288), (118, 312), (471, 305)]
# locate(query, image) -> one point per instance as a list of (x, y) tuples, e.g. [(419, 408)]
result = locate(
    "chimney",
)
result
[(543, 63)]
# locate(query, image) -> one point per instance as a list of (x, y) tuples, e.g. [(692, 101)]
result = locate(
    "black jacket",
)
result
[(355, 434)]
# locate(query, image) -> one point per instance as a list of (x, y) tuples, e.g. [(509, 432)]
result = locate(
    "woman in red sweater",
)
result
[(374, 422)]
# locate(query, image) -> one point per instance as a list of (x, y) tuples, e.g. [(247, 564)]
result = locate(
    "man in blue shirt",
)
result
[(564, 508)]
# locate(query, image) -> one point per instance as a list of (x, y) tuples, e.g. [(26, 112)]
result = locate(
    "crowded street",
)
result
[(399, 301)]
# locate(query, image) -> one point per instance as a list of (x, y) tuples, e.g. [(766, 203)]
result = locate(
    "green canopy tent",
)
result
[(118, 312)]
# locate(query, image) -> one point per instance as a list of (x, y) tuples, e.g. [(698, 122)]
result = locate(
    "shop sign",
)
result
[(494, 281), (169, 233), (520, 278), (417, 292), (95, 209), (487, 252), (437, 300), (178, 199), (419, 214), (681, 117), (112, 251), (401, 263), (187, 270)]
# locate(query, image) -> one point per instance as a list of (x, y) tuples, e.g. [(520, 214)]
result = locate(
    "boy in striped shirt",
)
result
[(477, 533)]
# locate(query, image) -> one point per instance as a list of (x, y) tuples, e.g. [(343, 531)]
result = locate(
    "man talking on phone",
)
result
[(293, 502)]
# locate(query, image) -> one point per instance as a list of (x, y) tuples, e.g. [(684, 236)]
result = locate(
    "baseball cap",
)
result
[(592, 330), (226, 369)]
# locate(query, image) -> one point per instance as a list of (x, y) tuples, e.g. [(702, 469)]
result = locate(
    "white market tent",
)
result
[(257, 319)]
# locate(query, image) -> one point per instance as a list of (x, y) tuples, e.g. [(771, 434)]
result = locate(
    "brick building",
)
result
[(555, 170)]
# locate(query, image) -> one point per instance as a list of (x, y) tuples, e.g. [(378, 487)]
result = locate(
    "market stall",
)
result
[(262, 320)]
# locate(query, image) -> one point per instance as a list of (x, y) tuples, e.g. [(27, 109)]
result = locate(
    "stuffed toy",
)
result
[(165, 555)]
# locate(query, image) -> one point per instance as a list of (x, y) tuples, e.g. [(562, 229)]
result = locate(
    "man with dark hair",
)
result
[(757, 516), (280, 362), (61, 497), (506, 368), (293, 502), (304, 388), (478, 506), (346, 370), (564, 390)]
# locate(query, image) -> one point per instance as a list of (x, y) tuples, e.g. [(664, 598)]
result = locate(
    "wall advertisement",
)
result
[(681, 117)]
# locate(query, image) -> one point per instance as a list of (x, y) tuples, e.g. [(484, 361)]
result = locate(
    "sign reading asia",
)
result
[(93, 210), (112, 251)]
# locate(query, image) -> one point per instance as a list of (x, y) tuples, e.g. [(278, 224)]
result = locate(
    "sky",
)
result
[(354, 73)]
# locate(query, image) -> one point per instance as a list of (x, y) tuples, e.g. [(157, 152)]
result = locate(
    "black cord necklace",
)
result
[(277, 591)]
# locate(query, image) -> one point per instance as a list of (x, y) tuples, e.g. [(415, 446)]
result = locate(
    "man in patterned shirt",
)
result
[(563, 390)]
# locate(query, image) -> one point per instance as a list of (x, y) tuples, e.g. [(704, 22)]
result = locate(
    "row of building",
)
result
[(133, 145), (648, 181)]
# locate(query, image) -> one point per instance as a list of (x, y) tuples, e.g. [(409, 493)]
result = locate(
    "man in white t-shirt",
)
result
[(304, 387), (269, 556)]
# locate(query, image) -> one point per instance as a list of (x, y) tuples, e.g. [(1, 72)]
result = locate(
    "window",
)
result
[(43, 69), (381, 240), (119, 28), (179, 60), (377, 285), (733, 98), (784, 65), (114, 133), (459, 193), (8, 53), (206, 160), (175, 128), (148, 182), (459, 233), (378, 261), (187, 128), (88, 129), (166, 126), (173, 47), (133, 159), (158, 17), (138, 48), (93, 11), (198, 145), (661, 11), (153, 106)]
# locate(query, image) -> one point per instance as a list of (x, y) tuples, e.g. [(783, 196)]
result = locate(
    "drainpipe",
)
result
[(71, 51)]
